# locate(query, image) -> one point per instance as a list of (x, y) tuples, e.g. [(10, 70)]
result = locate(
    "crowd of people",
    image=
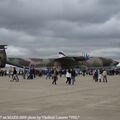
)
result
[(30, 73), (3, 72), (99, 75)]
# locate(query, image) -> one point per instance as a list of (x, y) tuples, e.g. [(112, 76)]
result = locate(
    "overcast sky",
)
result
[(42, 28)]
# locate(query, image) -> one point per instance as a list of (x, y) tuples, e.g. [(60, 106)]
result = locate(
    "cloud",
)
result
[(17, 51), (107, 50), (42, 28)]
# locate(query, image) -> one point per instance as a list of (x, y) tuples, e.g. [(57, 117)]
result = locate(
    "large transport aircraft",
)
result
[(62, 61)]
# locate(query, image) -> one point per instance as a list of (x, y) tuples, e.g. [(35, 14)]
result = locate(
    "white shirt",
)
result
[(68, 74)]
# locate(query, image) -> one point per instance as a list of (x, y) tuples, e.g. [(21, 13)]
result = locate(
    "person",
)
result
[(55, 73), (10, 73), (24, 73), (40, 73), (15, 76), (33, 71), (73, 75), (100, 75), (84, 72), (48, 74), (68, 76), (104, 76), (96, 76), (93, 74), (5, 72), (60, 72), (30, 76)]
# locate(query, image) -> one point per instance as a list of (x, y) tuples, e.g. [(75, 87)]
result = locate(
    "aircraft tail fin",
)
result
[(61, 54), (85, 55)]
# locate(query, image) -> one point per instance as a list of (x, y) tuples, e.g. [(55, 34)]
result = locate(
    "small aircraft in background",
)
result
[(62, 61)]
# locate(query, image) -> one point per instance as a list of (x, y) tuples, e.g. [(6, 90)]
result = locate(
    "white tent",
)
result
[(8, 66)]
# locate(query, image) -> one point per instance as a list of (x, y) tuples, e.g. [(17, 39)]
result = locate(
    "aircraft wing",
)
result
[(64, 62)]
